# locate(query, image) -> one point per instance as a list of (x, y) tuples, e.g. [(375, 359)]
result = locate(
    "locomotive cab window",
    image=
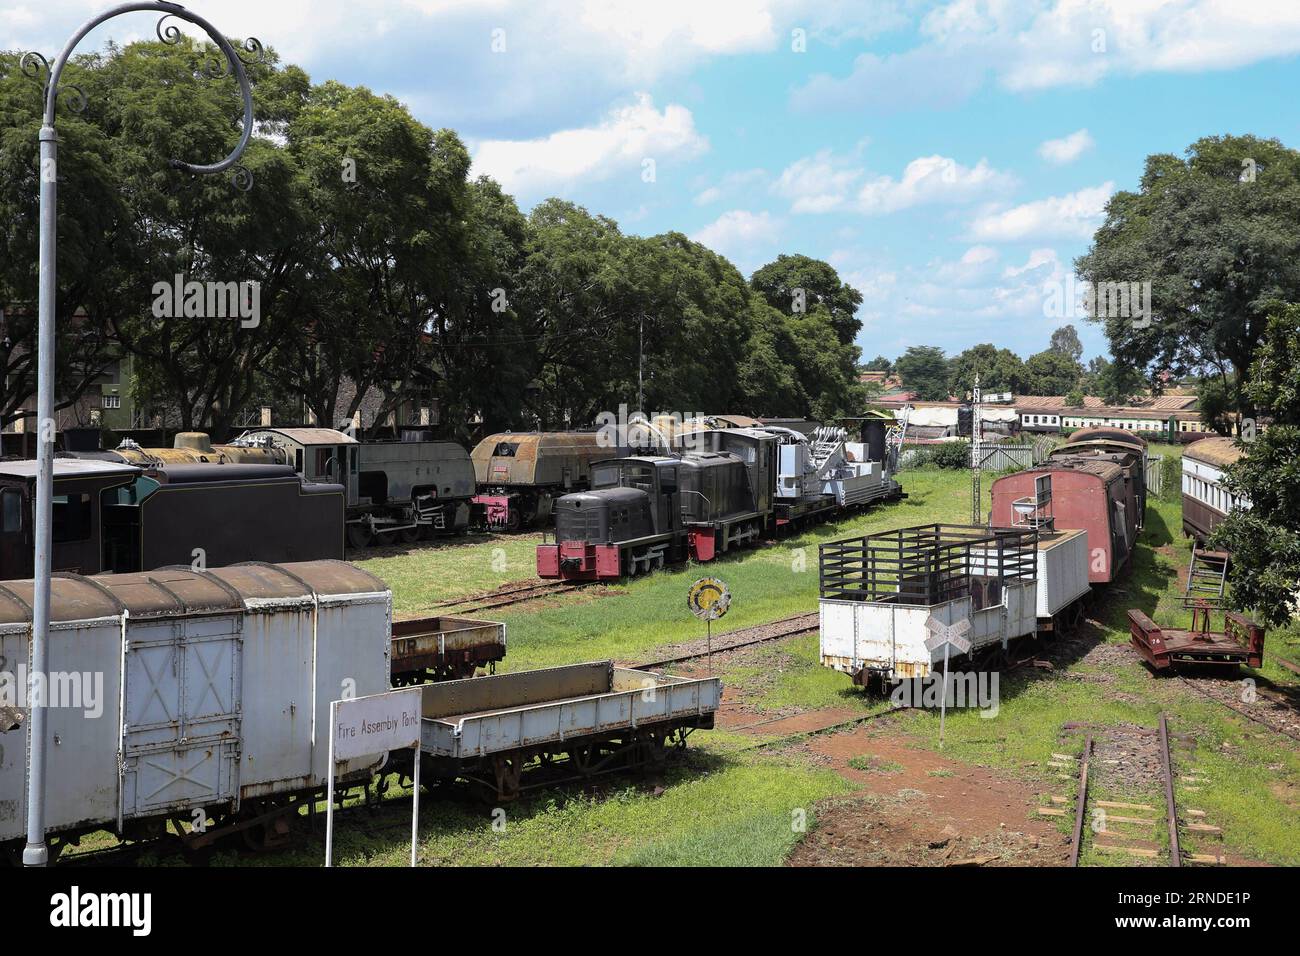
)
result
[(605, 476), (71, 518), (11, 511)]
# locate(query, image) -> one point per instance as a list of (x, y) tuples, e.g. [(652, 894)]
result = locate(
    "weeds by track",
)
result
[(505, 597)]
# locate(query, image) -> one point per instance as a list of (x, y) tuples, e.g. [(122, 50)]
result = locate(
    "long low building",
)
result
[(1177, 414)]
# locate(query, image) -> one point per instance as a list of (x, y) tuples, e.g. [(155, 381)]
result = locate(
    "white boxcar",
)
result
[(878, 592), (192, 689)]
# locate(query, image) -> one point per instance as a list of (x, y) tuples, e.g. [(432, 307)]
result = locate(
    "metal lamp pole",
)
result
[(36, 853)]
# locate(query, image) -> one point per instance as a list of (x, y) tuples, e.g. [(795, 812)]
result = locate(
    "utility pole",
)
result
[(976, 434), (33, 65), (640, 365)]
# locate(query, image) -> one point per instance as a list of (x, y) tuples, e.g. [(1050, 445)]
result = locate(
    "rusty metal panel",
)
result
[(417, 642), (458, 698)]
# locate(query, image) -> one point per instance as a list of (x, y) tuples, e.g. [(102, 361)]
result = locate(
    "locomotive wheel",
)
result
[(410, 535), (359, 536), (514, 520)]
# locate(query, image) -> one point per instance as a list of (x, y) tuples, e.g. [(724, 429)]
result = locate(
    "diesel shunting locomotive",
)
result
[(735, 486)]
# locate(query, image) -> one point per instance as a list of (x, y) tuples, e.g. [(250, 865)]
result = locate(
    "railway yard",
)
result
[(1088, 757)]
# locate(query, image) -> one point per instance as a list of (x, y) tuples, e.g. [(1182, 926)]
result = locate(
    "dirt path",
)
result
[(920, 809)]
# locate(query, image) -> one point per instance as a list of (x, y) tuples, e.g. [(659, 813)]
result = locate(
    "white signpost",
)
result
[(376, 724), (947, 636)]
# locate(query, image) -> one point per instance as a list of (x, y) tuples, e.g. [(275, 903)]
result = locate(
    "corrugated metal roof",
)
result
[(169, 592)]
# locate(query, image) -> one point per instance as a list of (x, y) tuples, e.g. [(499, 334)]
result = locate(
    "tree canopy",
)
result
[(379, 261), (1265, 539), (1216, 235)]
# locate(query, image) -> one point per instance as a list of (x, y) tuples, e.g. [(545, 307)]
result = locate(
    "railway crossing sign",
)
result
[(947, 636), (375, 724), (708, 599)]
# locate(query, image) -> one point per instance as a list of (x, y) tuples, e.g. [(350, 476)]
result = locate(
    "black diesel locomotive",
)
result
[(645, 511)]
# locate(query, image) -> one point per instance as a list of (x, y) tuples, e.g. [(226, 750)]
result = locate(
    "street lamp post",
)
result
[(36, 853)]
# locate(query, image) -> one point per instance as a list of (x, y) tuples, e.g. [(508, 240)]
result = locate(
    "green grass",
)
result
[(712, 811)]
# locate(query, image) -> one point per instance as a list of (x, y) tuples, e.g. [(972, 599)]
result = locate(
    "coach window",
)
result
[(71, 518), (12, 511)]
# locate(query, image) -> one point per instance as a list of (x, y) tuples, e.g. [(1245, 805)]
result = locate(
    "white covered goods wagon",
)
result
[(878, 592), (175, 689)]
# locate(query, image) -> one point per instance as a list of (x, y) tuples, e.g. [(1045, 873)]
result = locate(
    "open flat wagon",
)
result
[(504, 732), (444, 648), (1240, 642)]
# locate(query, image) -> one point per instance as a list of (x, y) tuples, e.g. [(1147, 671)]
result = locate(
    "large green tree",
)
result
[(1216, 234), (999, 370), (800, 285), (924, 371), (1265, 540), (1052, 372)]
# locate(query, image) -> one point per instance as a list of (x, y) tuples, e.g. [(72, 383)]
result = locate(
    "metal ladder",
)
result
[(1207, 576)]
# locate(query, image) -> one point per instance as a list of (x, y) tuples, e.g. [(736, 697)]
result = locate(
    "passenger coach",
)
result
[(1206, 501)]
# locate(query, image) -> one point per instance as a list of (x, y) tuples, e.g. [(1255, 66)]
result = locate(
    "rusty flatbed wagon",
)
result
[(1240, 642), (444, 648), (581, 719)]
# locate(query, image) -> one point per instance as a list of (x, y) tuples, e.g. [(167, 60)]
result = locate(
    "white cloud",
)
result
[(818, 183), (1040, 44), (1075, 215), (825, 183), (739, 231), (1066, 149), (620, 144), (931, 179)]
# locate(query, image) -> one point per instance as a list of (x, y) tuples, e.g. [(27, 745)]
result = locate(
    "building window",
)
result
[(112, 401)]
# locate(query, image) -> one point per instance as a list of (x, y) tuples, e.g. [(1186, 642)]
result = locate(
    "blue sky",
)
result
[(949, 158)]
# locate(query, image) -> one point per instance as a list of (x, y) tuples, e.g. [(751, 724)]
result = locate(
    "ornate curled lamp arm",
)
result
[(33, 64)]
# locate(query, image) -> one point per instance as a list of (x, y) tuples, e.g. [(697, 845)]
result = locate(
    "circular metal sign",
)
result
[(708, 599)]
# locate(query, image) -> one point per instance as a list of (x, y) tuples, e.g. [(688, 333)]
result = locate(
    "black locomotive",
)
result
[(645, 511)]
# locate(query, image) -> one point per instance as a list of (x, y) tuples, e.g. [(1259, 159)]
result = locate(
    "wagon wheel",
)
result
[(657, 748), (507, 771), (268, 834), (584, 757), (465, 670), (359, 535)]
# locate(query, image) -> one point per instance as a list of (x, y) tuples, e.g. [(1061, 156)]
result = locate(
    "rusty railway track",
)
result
[(495, 599), (1257, 718), (1082, 796), (801, 624)]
